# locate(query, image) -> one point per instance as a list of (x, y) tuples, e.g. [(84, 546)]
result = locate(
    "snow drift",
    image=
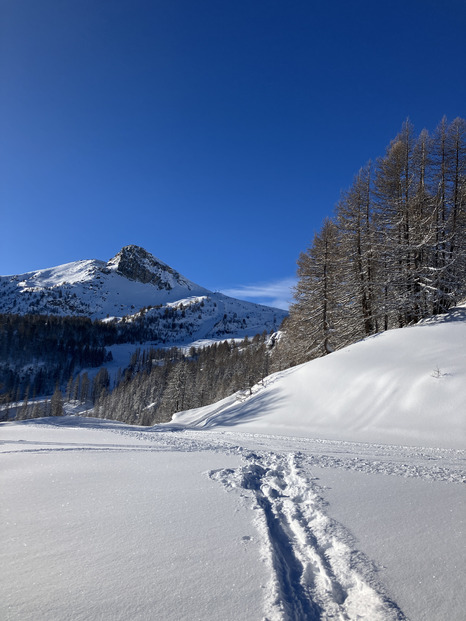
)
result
[(405, 386)]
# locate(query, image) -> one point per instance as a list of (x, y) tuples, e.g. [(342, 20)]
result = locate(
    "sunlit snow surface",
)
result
[(335, 491), (404, 386), (100, 525), (105, 521)]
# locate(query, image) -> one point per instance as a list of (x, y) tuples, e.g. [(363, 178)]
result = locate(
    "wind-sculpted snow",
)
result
[(430, 464)]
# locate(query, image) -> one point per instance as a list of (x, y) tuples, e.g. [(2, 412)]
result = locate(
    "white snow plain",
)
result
[(335, 491)]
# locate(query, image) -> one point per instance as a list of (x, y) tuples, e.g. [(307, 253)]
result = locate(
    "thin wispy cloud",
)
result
[(276, 293)]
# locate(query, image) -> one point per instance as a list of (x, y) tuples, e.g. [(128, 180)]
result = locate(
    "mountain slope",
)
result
[(405, 386), (134, 280)]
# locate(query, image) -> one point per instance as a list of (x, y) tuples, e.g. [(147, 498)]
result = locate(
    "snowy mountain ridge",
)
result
[(131, 281)]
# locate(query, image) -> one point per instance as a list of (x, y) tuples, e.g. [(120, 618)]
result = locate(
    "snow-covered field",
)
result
[(105, 521), (337, 491)]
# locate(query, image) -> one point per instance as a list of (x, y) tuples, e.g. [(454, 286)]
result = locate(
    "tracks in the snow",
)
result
[(315, 573)]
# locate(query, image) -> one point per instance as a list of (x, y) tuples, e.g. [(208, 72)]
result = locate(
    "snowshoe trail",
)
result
[(315, 572)]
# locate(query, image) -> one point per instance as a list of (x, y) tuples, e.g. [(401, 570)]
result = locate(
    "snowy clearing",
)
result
[(336, 490), (106, 521)]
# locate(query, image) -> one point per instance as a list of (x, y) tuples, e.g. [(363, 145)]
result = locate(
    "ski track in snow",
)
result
[(433, 464), (316, 571)]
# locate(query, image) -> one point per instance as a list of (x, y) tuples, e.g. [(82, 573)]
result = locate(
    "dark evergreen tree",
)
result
[(56, 403)]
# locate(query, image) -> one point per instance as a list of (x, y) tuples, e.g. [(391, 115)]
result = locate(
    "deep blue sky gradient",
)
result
[(217, 134)]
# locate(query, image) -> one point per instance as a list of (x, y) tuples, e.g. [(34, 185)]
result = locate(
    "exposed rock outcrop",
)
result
[(137, 264)]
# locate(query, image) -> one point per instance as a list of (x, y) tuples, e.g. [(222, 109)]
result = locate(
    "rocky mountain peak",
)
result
[(136, 263)]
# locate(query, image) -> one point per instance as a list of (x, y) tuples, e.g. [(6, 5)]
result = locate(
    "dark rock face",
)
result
[(137, 264)]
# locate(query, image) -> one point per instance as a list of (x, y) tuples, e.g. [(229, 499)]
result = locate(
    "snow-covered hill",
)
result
[(404, 386), (180, 310), (334, 492)]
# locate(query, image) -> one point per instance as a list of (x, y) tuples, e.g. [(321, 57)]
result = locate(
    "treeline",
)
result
[(40, 351), (395, 250), (42, 355), (37, 352), (157, 384), (34, 409)]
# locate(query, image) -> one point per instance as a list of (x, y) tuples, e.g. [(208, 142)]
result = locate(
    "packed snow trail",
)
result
[(315, 575)]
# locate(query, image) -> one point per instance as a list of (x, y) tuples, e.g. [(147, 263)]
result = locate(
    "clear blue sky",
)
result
[(217, 134)]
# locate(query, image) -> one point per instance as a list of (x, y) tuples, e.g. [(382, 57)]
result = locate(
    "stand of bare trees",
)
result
[(395, 250)]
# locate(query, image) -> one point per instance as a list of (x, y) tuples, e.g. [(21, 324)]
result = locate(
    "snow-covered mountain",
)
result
[(133, 280)]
